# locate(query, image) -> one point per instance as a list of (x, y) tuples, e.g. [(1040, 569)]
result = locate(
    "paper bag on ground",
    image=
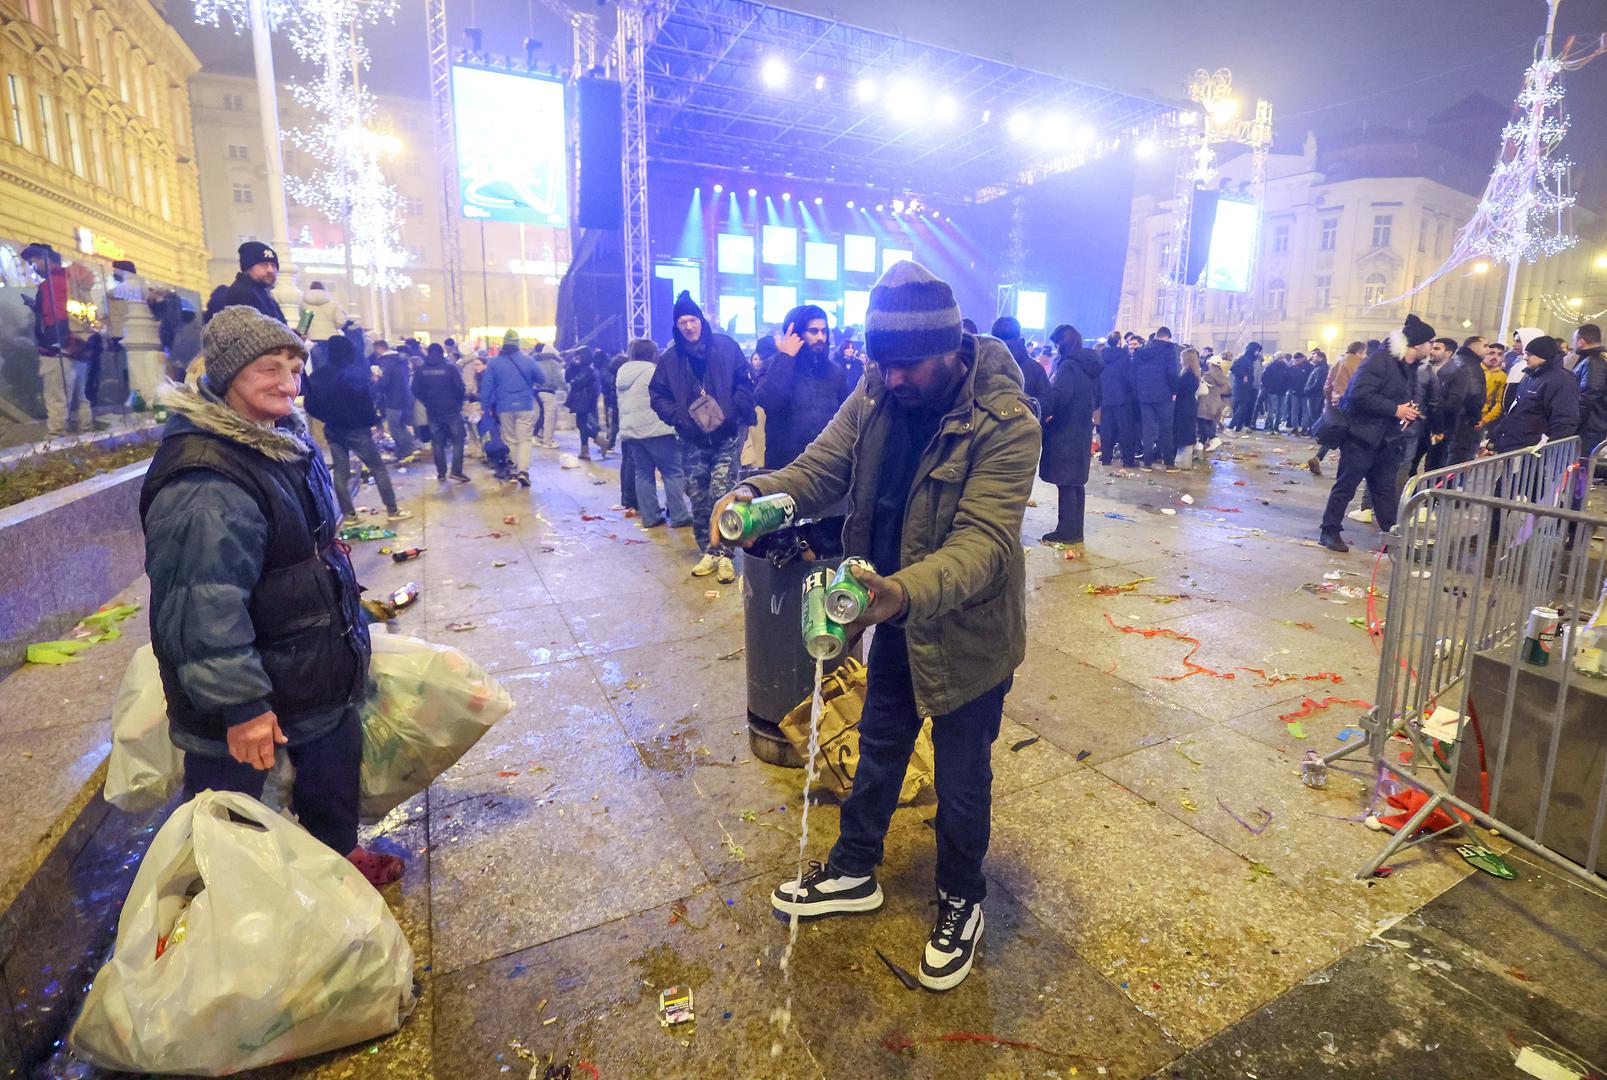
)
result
[(430, 705), (243, 942), (145, 768), (842, 699)]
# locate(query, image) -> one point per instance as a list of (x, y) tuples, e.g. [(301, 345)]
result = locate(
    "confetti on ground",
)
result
[(459, 627), (1308, 706), (1112, 590), (1255, 830), (1296, 729), (1119, 517), (1189, 805)]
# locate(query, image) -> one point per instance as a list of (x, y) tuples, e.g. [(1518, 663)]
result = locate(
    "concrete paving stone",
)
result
[(1195, 934), (1078, 708), (599, 988), (581, 578), (652, 685), (1027, 986), (609, 624), (1313, 840), (508, 640), (41, 774), (1321, 726), (544, 860)]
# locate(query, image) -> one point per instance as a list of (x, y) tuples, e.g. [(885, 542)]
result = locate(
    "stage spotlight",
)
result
[(946, 108), (987, 114), (1225, 110), (774, 72), (850, 204), (819, 201), (937, 215), (786, 196), (1086, 135), (905, 102), (898, 206), (718, 188), (881, 208), (1144, 148), (752, 191), (1020, 125), (1053, 128), (820, 82), (867, 91)]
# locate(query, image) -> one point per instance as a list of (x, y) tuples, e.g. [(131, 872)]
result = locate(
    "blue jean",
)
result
[(712, 468), (324, 793), (448, 434), (659, 454), (1156, 440), (963, 743), (397, 422), (343, 442)]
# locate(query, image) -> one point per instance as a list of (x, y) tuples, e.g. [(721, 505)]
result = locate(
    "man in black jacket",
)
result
[(1155, 384), (253, 285), (800, 388), (1546, 402), (1591, 369), (1462, 391), (340, 393), (1115, 400), (1377, 403), (438, 386), (702, 362), (1007, 328)]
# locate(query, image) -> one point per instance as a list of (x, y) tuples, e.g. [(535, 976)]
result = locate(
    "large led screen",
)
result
[(1232, 247), (512, 159)]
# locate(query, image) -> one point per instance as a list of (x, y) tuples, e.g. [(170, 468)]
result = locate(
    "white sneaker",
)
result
[(1213, 444), (1361, 514), (823, 891), (727, 572), (400, 515), (952, 946), (707, 565)]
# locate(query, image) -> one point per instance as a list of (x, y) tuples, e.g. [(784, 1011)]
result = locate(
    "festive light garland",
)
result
[(349, 187)]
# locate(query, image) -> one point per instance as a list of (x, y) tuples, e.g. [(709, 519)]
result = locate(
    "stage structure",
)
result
[(1189, 271)]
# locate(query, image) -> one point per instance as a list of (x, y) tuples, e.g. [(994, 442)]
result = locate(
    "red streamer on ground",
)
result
[(1267, 679), (896, 1043), (1309, 706), (586, 1066)]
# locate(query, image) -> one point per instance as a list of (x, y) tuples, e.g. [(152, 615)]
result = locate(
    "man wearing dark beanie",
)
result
[(1378, 405), (1546, 403), (253, 285), (935, 449)]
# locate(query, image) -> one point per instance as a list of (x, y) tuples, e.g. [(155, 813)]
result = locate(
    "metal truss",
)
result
[(706, 104), (637, 23), (446, 150)]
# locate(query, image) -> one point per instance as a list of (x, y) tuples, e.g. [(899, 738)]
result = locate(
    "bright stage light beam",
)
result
[(1086, 135), (905, 101), (1144, 148), (866, 91), (947, 108), (1020, 125), (1053, 128), (774, 72)]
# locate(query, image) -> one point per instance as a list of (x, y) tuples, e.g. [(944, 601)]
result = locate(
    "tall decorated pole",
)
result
[(268, 116)]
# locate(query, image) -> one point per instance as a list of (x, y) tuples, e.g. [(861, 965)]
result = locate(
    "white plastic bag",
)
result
[(431, 704), (145, 768), (287, 950)]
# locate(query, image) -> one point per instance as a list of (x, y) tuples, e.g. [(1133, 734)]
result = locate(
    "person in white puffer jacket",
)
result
[(328, 318)]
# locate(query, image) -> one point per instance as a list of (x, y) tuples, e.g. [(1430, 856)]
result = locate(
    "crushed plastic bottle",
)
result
[(1313, 770)]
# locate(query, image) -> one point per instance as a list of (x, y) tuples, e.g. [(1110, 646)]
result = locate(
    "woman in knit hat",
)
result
[(254, 606)]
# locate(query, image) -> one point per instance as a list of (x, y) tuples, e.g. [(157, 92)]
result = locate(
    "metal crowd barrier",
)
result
[(1541, 473), (1472, 710)]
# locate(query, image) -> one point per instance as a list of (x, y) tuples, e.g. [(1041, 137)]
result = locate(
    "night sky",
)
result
[(1326, 65)]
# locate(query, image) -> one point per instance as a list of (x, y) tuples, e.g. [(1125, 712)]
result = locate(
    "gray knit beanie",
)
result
[(238, 335), (912, 315)]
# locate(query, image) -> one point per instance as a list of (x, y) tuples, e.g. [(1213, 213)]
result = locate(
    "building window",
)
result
[(237, 152), (415, 207), (19, 116), (1325, 292), (47, 138), (1422, 236), (242, 194), (1383, 225), (75, 144), (234, 102), (1276, 295), (59, 23), (1160, 304), (1373, 289), (1280, 239), (1439, 238), (1329, 238)]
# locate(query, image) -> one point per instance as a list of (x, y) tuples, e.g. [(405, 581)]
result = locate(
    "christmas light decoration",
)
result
[(349, 186)]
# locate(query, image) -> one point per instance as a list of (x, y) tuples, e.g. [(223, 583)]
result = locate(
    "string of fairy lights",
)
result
[(348, 186)]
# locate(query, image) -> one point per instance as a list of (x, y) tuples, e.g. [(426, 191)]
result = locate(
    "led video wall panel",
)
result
[(734, 253), (820, 261), (859, 254), (513, 161), (780, 245), (1232, 253)]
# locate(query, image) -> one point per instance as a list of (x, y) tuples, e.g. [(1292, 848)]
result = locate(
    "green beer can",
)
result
[(744, 521), (846, 598), (823, 639)]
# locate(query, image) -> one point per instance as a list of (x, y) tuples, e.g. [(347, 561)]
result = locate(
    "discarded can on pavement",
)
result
[(846, 598), (1313, 770), (823, 639), (744, 521), (404, 556), (1540, 635)]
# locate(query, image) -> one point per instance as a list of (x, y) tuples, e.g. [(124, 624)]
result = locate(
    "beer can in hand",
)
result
[(846, 598), (744, 521), (823, 638)]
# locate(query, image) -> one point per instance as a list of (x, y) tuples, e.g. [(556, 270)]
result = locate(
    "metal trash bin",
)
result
[(781, 673)]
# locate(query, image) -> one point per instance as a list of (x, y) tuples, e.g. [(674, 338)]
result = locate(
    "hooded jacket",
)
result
[(1068, 417), (1155, 372), (341, 394), (1381, 385), (1219, 386), (509, 383), (395, 377), (1546, 403), (637, 420), (1495, 396), (799, 396), (254, 605), (1591, 370), (1244, 371), (1340, 375), (252, 294), (328, 317), (962, 564), (438, 386), (1115, 378), (726, 376), (1033, 378), (1462, 394)]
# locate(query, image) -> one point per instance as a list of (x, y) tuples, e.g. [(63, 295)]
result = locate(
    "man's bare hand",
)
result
[(740, 493), (1407, 411), (887, 599), (252, 743), (790, 344)]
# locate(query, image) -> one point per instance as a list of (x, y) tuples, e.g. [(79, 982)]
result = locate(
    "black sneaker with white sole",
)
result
[(825, 891), (952, 946)]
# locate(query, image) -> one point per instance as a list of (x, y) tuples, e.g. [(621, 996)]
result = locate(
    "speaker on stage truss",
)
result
[(602, 188), (1202, 219)]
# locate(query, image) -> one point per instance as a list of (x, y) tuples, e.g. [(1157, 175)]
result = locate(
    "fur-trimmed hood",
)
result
[(197, 408), (1395, 342)]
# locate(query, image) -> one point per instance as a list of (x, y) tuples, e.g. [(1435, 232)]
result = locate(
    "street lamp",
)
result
[(1481, 267), (1329, 333)]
